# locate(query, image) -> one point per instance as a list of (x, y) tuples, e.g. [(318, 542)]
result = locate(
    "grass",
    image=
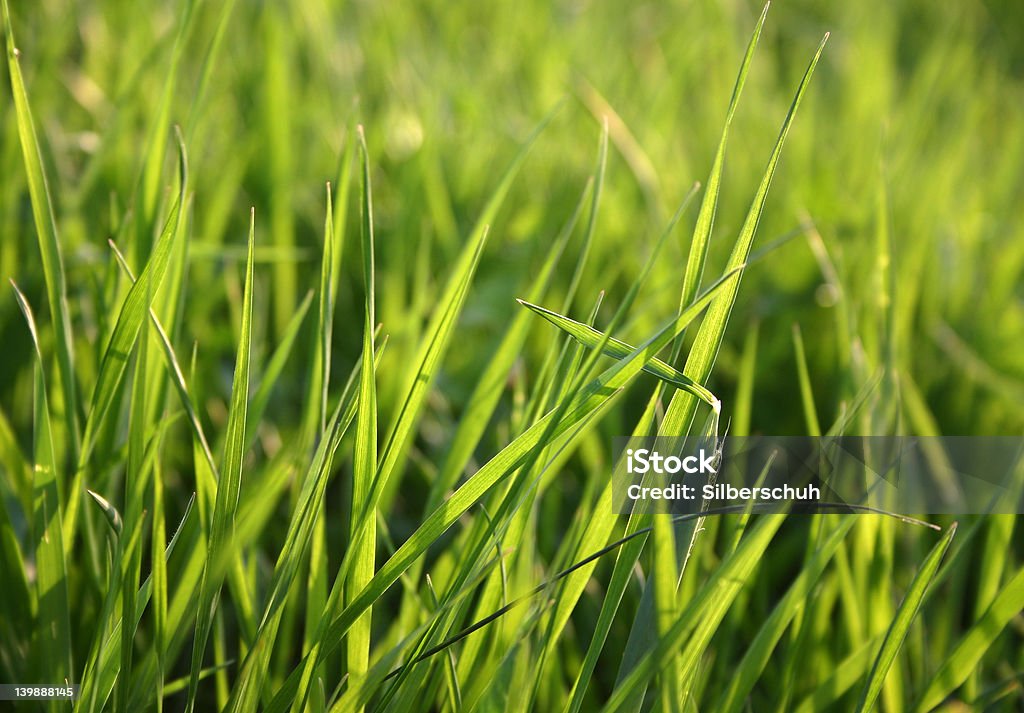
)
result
[(270, 447)]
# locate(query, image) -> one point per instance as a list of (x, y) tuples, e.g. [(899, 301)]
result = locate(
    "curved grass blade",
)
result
[(904, 618), (52, 640), (137, 304), (49, 241)]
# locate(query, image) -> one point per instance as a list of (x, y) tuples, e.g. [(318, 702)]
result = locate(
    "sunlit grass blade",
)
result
[(363, 536), (709, 204), (222, 524), (973, 645), (590, 338), (49, 241), (905, 615), (711, 333)]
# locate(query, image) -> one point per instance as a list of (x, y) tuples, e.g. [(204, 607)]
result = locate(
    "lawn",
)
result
[(320, 321)]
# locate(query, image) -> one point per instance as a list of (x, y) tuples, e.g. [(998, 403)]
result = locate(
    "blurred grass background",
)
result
[(912, 135), (915, 123)]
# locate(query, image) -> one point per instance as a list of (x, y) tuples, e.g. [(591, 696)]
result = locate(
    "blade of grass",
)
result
[(126, 331), (52, 640), (364, 540), (590, 338), (900, 626), (973, 645), (222, 525), (49, 242)]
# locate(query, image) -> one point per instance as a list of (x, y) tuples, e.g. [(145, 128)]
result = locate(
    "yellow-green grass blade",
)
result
[(709, 204), (51, 650), (135, 487), (806, 391), (900, 626), (711, 333), (973, 645), (156, 141), (596, 395), (362, 529), (590, 338), (49, 241), (221, 547), (159, 585), (438, 333)]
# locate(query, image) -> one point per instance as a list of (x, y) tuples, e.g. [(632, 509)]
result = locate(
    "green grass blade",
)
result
[(900, 626), (711, 333), (591, 338), (221, 547), (703, 613), (52, 641), (709, 204), (760, 649), (973, 645), (363, 536), (49, 241), (133, 312)]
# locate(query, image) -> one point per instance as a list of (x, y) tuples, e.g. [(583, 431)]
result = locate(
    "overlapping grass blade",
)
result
[(973, 645), (129, 322), (222, 525), (900, 626), (590, 338), (52, 641)]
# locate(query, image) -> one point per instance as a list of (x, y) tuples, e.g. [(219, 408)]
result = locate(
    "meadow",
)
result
[(320, 319)]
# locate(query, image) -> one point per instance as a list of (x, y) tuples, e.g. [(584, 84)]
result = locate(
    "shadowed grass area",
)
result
[(266, 447)]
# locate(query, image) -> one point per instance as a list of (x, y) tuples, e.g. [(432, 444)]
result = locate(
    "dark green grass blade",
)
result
[(221, 548), (704, 612), (52, 641)]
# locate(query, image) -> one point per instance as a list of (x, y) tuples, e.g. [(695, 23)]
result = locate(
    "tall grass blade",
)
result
[(900, 626), (49, 241), (221, 545), (51, 648)]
